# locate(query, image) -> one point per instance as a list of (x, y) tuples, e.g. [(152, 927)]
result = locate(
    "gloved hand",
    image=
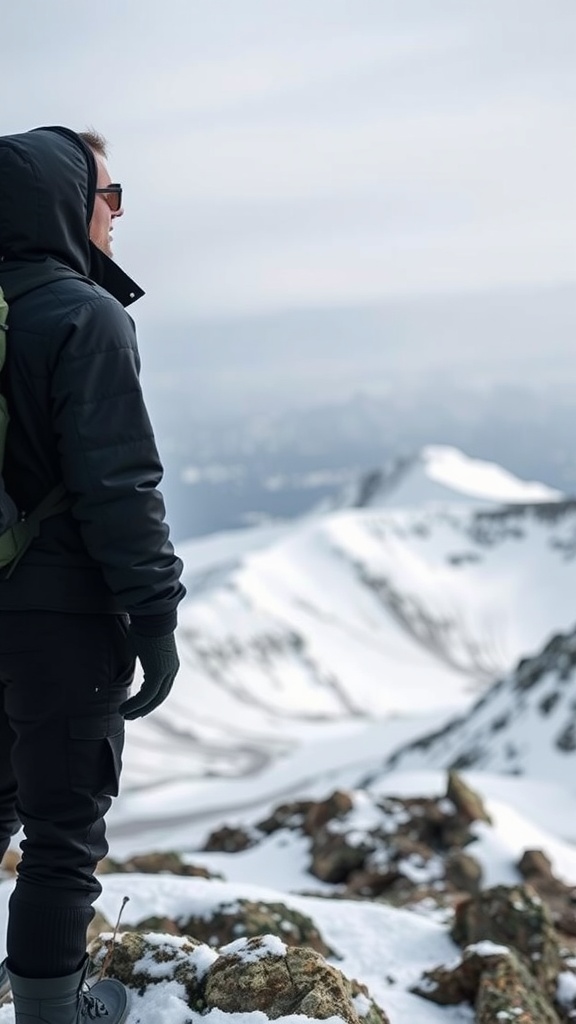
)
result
[(159, 659)]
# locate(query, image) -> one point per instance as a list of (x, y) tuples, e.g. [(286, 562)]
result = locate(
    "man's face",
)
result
[(102, 223)]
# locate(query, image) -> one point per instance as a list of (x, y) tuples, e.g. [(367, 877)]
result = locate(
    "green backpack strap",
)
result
[(15, 541)]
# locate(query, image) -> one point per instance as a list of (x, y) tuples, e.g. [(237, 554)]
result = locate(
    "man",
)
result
[(98, 586)]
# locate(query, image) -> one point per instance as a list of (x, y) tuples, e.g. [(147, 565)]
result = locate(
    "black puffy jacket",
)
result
[(77, 412)]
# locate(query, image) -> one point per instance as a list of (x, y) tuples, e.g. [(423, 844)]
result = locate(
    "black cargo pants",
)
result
[(62, 679)]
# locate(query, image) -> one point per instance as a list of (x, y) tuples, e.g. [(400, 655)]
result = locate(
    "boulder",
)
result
[(155, 864), (509, 992), (338, 805), (263, 974), (467, 803), (513, 916), (230, 840), (259, 973), (247, 918), (496, 981), (335, 856), (140, 959), (459, 983), (463, 872), (289, 815), (536, 868)]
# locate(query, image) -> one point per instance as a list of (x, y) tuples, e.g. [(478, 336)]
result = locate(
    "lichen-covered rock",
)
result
[(468, 804), (263, 974), (371, 882), (139, 960), (512, 916), (290, 815), (230, 840), (509, 994), (322, 811), (155, 864), (459, 983), (536, 868), (496, 981), (392, 848), (335, 856), (463, 872), (534, 863), (246, 918)]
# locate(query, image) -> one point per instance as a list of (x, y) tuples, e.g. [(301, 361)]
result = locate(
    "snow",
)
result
[(566, 990), (312, 650), (481, 479), (385, 948), (486, 948), (295, 634), (270, 945), (441, 474)]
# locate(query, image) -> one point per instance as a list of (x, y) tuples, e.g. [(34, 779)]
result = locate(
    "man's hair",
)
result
[(96, 141)]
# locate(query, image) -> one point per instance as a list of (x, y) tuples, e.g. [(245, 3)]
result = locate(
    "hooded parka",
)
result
[(77, 412)]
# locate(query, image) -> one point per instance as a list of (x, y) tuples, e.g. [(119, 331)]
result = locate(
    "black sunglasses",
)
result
[(113, 196)]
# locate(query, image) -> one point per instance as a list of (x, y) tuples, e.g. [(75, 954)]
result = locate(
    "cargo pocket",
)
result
[(95, 754)]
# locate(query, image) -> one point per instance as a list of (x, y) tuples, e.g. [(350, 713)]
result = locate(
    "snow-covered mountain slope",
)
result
[(298, 634), (439, 474), (525, 724)]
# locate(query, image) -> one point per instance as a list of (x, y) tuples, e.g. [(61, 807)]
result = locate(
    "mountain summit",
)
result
[(440, 474)]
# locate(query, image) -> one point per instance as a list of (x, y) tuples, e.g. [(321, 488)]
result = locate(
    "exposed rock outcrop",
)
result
[(401, 850), (155, 864), (515, 917), (259, 973), (242, 918), (496, 981), (248, 918)]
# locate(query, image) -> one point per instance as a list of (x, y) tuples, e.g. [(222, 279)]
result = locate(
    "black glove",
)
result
[(159, 659)]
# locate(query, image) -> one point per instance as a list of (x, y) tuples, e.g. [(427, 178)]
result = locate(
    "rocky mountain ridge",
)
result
[(352, 616), (524, 724)]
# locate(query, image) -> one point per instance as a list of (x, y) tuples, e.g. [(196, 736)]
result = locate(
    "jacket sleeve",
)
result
[(110, 463)]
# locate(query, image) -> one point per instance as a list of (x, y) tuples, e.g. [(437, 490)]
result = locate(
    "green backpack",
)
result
[(17, 531)]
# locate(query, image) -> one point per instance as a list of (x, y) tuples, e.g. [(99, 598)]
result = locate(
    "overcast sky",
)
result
[(280, 155)]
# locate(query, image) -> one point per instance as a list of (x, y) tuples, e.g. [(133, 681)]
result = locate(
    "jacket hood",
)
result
[(47, 192)]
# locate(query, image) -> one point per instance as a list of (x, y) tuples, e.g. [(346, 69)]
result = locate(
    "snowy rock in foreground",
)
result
[(247, 975), (512, 962), (263, 974), (140, 960)]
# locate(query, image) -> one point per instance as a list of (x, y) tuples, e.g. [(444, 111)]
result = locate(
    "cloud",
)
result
[(305, 152)]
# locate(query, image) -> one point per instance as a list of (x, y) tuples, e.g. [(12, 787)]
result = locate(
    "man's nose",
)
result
[(118, 213)]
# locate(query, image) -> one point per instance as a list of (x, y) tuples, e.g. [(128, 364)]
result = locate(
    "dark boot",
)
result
[(66, 1001)]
